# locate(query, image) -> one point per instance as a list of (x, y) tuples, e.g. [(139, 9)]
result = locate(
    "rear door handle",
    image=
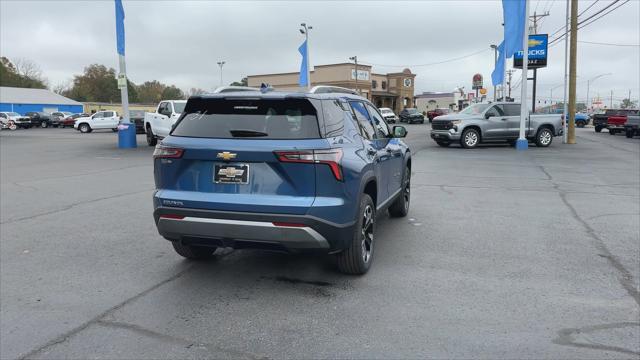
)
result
[(504, 119)]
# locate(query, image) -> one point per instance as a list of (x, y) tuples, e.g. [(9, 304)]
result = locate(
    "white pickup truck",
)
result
[(105, 119), (158, 124)]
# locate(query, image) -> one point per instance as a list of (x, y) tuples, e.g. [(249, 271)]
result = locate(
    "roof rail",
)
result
[(324, 89), (225, 89)]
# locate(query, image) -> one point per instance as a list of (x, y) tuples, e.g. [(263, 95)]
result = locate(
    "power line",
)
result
[(584, 23), (610, 44), (583, 11), (433, 63)]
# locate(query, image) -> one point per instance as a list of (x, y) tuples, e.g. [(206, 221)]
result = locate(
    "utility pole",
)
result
[(355, 59), (535, 17), (509, 73), (221, 64), (573, 53), (566, 75), (611, 100)]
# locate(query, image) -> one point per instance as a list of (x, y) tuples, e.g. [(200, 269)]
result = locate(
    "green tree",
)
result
[(150, 92), (98, 83), (173, 93), (628, 104), (242, 82)]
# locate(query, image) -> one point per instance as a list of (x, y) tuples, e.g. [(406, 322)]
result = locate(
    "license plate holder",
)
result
[(231, 174)]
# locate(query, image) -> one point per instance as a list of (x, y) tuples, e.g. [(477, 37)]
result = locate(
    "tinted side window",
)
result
[(108, 114), (511, 109), (363, 119), (494, 111), (333, 118), (379, 123)]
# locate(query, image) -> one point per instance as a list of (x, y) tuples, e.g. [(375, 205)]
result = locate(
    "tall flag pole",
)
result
[(522, 143), (126, 131)]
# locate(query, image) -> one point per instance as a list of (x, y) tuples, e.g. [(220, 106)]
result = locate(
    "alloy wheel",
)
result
[(367, 233), (471, 139), (545, 137)]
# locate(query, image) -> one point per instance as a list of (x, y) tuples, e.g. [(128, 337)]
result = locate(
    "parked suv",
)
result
[(280, 171), (42, 119), (411, 115)]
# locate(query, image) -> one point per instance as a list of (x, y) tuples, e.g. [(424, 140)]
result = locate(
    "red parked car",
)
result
[(615, 122), (436, 112), (70, 120)]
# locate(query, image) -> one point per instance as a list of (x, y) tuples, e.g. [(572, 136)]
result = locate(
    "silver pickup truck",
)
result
[(480, 123)]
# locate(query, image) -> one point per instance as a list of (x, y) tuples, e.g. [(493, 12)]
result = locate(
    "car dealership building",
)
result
[(392, 90)]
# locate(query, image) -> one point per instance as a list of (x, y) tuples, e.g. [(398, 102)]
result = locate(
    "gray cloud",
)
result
[(180, 42)]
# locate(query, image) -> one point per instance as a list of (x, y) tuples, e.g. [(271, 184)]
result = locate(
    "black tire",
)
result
[(357, 258), (84, 128), (44, 124), (612, 132), (152, 140), (400, 207), (470, 138), (580, 124), (194, 252), (114, 130), (422, 121), (443, 143), (544, 137), (629, 134), (598, 128)]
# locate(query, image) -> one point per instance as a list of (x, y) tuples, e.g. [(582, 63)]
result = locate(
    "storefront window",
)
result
[(384, 85)]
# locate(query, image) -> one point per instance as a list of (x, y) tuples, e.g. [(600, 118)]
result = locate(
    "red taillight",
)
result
[(172, 216), (331, 157), (288, 224), (167, 152)]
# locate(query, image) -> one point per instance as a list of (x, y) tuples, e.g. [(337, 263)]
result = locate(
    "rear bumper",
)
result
[(291, 233)]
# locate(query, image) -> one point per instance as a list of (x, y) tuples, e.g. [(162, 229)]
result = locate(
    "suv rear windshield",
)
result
[(248, 118)]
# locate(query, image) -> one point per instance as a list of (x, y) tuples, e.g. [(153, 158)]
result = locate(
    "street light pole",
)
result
[(495, 62), (355, 59), (588, 85), (221, 64)]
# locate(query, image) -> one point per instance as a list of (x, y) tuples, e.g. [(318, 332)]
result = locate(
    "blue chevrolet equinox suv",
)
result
[(284, 171)]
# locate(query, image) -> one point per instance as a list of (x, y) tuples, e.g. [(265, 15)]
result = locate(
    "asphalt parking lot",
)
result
[(503, 255)]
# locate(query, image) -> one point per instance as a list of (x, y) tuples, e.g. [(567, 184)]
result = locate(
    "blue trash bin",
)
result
[(127, 136)]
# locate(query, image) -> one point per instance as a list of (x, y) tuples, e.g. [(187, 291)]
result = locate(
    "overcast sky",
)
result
[(180, 42)]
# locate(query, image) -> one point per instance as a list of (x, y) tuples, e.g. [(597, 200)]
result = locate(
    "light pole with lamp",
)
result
[(355, 59), (589, 84), (221, 64), (305, 31)]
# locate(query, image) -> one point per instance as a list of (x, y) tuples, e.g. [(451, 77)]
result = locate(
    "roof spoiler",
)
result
[(325, 89), (225, 89)]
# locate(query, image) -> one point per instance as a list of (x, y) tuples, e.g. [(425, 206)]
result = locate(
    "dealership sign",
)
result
[(538, 49), (362, 74), (477, 82)]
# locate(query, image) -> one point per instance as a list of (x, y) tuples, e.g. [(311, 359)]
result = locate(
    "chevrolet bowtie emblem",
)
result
[(230, 172), (226, 156)]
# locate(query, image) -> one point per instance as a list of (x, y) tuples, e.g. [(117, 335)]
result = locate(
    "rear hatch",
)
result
[(229, 156)]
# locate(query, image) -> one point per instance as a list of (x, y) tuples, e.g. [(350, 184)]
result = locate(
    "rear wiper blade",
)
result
[(247, 133)]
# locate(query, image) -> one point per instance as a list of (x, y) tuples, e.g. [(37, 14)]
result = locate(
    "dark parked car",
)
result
[(411, 115), (58, 116), (612, 119), (42, 119), (137, 117), (280, 171), (70, 120)]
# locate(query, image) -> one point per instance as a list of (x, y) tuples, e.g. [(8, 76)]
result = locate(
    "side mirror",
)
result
[(487, 116), (399, 131)]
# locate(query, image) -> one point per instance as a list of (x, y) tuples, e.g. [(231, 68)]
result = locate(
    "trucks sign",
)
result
[(538, 49)]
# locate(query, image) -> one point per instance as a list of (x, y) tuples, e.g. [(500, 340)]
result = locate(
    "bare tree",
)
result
[(29, 70), (62, 88), (195, 91)]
